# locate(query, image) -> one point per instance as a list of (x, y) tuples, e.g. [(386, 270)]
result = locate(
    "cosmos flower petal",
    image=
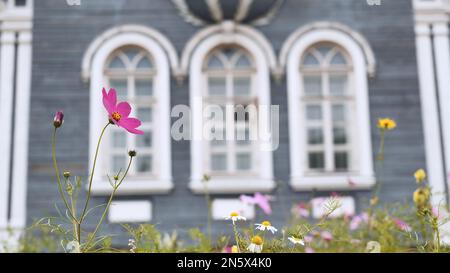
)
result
[(108, 101), (124, 109)]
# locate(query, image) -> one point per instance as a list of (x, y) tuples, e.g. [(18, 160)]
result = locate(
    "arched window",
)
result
[(329, 123), (229, 73), (136, 61), (131, 71), (327, 103)]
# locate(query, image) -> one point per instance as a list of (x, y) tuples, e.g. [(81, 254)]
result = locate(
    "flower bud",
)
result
[(132, 153), (58, 119), (66, 174), (421, 196), (420, 175)]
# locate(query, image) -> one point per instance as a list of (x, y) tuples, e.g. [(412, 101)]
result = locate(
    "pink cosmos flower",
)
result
[(309, 250), (401, 225), (308, 239), (301, 210), (58, 119), (119, 113), (358, 219), (327, 236), (258, 199)]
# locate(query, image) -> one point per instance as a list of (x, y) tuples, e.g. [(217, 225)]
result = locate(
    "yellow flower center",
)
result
[(257, 240), (116, 116), (266, 224), (386, 124), (234, 214)]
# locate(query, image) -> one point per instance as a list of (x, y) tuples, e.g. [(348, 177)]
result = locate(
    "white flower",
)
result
[(234, 216), (132, 245), (296, 240), (257, 245), (266, 225), (73, 247)]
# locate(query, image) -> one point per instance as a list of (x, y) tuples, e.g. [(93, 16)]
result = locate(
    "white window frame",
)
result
[(292, 53), (163, 55), (263, 181)]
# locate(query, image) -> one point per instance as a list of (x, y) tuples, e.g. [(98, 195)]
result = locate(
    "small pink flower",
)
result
[(358, 219), (308, 239), (327, 236), (401, 225), (258, 199), (309, 250), (58, 119), (301, 210), (119, 113)]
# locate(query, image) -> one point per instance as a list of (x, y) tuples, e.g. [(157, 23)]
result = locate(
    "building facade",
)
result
[(332, 68)]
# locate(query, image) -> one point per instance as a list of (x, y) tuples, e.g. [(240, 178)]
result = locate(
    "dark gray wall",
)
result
[(62, 34)]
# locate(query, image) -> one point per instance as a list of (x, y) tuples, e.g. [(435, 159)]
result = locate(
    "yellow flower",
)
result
[(386, 124), (421, 196), (257, 244), (234, 249), (420, 175), (374, 200)]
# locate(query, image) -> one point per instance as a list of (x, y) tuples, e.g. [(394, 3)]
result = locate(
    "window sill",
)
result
[(332, 182), (133, 187), (233, 185)]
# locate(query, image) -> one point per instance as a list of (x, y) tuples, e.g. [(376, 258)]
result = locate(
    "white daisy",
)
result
[(296, 240), (266, 225), (234, 216), (257, 245)]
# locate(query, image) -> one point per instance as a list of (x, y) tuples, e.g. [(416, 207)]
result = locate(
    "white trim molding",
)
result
[(196, 52), (293, 50), (144, 31), (15, 83), (356, 37), (228, 30), (94, 63)]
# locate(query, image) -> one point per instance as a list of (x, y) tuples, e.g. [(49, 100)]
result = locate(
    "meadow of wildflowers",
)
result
[(379, 228)]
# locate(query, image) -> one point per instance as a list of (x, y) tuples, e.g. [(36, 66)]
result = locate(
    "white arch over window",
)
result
[(292, 53), (94, 63), (263, 178)]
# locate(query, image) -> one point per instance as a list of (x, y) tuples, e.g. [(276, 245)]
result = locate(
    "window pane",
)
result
[(144, 63), (215, 63), (131, 53), (243, 161), (315, 136), (217, 86), (241, 86), (118, 164), (338, 84), (323, 50), (316, 160), (144, 114), (119, 139), (338, 113), (313, 85), (243, 62), (219, 162), (340, 136), (309, 59), (341, 161), (338, 59), (116, 63), (144, 87), (144, 140), (144, 163), (243, 137), (313, 112), (121, 87)]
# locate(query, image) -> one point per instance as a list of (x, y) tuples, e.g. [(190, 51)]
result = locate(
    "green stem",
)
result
[(58, 178), (83, 215), (115, 188), (236, 237)]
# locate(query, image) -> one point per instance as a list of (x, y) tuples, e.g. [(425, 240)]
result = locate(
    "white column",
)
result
[(430, 118), (22, 109), (6, 108), (442, 57)]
